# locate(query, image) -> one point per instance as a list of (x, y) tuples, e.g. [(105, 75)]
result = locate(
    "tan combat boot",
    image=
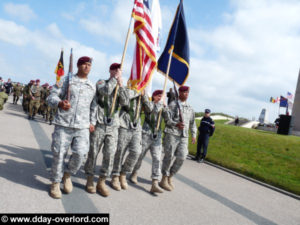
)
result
[(90, 188), (102, 188), (55, 190), (123, 181), (165, 184), (155, 187), (68, 186), (115, 183), (170, 182), (133, 178)]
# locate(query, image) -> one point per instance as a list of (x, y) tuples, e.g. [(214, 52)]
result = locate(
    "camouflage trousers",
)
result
[(34, 106), (129, 139), (174, 146), (155, 149), (50, 113), (105, 137), (62, 139), (25, 104)]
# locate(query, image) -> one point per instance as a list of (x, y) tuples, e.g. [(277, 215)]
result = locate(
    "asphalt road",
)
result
[(203, 194)]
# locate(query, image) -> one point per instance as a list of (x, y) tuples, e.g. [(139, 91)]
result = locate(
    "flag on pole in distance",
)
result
[(273, 100), (179, 42), (144, 60), (59, 70), (283, 102), (156, 31), (289, 95)]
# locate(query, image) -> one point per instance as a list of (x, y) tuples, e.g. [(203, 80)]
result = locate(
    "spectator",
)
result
[(206, 130), (8, 86), (236, 121)]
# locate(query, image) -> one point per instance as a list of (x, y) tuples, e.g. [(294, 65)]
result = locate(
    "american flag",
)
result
[(144, 60), (289, 95)]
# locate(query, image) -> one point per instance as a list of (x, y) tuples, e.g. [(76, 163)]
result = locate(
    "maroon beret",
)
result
[(32, 81), (115, 66), (157, 92), (184, 88), (37, 81), (84, 59), (46, 84)]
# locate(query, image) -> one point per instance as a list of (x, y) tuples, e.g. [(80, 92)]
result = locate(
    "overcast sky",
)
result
[(242, 51)]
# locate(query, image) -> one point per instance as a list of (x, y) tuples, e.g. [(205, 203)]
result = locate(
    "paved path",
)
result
[(203, 194)]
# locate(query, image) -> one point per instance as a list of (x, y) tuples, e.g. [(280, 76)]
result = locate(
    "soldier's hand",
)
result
[(193, 140), (180, 125), (65, 105), (120, 81), (92, 128), (32, 98)]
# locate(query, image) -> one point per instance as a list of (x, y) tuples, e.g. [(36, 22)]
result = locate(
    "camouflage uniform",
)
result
[(176, 141), (3, 98), (105, 134), (49, 111), (149, 142), (17, 90), (129, 135), (26, 97), (43, 103), (34, 104), (71, 126)]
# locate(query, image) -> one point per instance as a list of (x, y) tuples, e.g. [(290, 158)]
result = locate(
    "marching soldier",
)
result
[(151, 139), (17, 90), (43, 103), (35, 97), (72, 125), (50, 111), (130, 135), (26, 96), (3, 97), (106, 129), (177, 136)]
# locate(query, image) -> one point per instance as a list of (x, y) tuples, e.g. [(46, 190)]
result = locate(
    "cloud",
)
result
[(20, 11), (238, 66), (111, 24), (40, 52)]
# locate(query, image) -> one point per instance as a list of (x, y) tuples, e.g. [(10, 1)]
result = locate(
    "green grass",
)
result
[(265, 156), (271, 158)]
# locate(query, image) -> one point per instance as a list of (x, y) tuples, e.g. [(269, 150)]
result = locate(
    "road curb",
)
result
[(251, 179)]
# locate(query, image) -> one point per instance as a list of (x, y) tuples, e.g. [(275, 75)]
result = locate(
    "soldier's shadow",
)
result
[(21, 166)]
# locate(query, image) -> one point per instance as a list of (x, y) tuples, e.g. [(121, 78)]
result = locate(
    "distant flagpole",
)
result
[(59, 70)]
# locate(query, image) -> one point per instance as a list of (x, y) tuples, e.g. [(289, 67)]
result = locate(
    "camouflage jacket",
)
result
[(129, 109), (82, 92), (3, 99), (151, 117), (102, 103), (17, 90), (36, 91), (171, 117)]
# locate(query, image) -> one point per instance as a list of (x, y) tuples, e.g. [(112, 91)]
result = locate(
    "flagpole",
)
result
[(164, 90), (168, 68), (69, 74), (121, 66)]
